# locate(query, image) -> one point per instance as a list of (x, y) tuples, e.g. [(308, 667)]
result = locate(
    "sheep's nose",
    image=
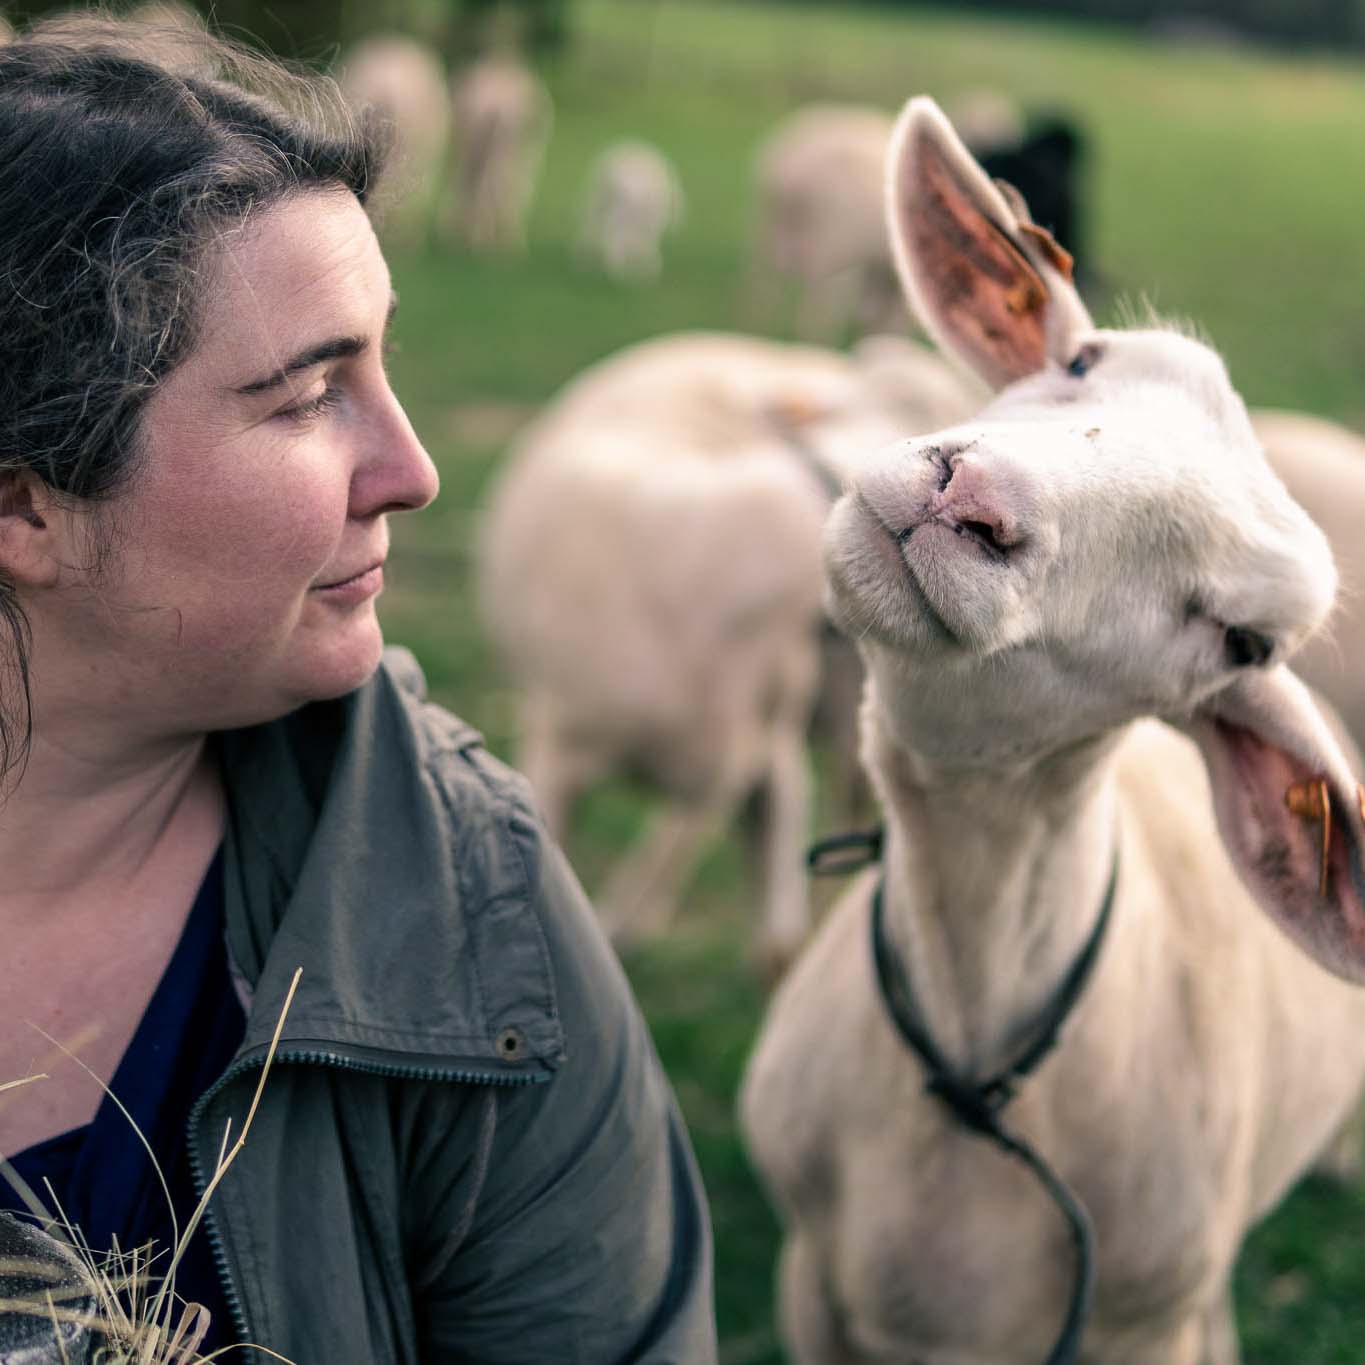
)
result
[(978, 500)]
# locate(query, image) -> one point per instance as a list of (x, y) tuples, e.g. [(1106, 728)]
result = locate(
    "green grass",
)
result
[(1224, 187)]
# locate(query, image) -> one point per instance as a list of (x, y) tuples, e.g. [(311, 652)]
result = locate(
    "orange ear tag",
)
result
[(1310, 801)]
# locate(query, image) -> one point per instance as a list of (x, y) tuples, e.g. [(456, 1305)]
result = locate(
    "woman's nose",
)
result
[(396, 473)]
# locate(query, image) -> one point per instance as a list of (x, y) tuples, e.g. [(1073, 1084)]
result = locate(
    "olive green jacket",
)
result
[(466, 1149)]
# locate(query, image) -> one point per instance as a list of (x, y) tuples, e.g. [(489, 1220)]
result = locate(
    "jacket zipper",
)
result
[(208, 1222)]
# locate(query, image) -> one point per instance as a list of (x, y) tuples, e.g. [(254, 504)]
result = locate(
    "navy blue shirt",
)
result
[(101, 1173)]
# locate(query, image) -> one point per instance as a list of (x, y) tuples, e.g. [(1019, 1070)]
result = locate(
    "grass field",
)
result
[(1224, 188)]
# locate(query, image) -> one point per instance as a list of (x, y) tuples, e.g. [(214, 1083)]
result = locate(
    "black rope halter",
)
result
[(978, 1105)]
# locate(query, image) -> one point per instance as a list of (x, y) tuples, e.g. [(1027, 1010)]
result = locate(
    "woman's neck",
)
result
[(85, 817), (994, 881)]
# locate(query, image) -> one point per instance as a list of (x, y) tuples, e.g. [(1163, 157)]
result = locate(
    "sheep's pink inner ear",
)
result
[(1299, 858), (986, 296)]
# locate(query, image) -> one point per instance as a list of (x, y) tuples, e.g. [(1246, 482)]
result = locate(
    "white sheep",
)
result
[(502, 119), (818, 185), (633, 198), (6, 30), (1100, 550), (649, 568), (403, 83)]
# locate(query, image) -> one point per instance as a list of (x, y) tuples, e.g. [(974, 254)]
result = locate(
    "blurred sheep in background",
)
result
[(632, 199), (650, 571), (818, 185), (403, 82), (6, 31), (502, 117)]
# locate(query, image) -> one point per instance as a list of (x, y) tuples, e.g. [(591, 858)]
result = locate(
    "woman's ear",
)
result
[(993, 289), (28, 536)]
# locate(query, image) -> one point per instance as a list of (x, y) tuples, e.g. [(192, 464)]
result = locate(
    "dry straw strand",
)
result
[(140, 1328)]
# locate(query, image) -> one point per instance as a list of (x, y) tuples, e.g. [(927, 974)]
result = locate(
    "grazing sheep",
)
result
[(403, 82), (650, 571), (632, 200), (6, 30), (1101, 549), (818, 180), (502, 119)]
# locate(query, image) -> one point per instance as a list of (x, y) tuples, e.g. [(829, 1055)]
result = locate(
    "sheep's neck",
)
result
[(993, 885)]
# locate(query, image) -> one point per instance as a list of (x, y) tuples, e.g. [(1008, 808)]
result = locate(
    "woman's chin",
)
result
[(343, 665)]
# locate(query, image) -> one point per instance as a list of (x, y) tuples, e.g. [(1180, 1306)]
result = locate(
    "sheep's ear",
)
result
[(992, 288), (1290, 811)]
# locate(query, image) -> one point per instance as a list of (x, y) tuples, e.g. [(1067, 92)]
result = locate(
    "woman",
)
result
[(466, 1149)]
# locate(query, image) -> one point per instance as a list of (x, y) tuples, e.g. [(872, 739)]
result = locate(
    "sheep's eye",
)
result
[(1084, 360), (1246, 648)]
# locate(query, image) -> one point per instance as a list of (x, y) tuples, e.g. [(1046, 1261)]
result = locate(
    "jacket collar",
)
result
[(372, 841)]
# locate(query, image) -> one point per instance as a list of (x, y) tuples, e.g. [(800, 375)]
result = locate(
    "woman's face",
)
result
[(248, 549)]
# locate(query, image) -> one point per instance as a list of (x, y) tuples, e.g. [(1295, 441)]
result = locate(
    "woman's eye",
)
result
[(1084, 360), (1246, 648), (312, 408)]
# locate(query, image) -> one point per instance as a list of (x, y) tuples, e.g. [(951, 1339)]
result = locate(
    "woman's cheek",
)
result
[(276, 533)]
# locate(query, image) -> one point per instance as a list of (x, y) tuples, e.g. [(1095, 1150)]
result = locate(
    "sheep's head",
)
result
[(1104, 540)]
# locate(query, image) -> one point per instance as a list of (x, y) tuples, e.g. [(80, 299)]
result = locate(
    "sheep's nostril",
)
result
[(945, 469), (982, 531)]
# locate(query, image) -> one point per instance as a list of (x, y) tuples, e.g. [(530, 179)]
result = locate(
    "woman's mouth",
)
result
[(359, 587)]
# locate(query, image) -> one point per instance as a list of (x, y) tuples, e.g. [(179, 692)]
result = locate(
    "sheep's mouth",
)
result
[(978, 533), (895, 542)]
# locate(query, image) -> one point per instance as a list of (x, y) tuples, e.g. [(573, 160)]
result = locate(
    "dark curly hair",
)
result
[(122, 154)]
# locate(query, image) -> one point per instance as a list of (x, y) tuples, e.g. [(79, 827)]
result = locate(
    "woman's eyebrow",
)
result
[(337, 348)]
